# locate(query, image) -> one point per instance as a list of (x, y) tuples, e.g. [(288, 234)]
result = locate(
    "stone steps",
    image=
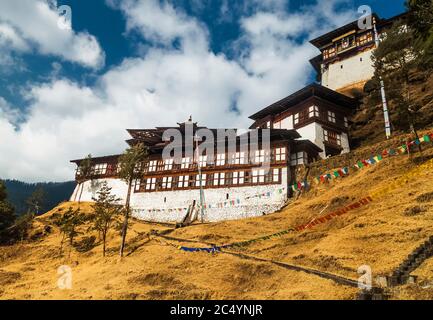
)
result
[(401, 274)]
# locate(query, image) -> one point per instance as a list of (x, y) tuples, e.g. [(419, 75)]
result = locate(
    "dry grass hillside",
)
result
[(368, 125), (380, 234)]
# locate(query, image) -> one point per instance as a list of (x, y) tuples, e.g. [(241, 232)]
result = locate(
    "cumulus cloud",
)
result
[(163, 86), (33, 25)]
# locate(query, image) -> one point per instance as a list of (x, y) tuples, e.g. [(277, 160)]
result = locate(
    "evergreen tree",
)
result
[(394, 60), (421, 22), (36, 201), (131, 168), (107, 213), (69, 224), (7, 215)]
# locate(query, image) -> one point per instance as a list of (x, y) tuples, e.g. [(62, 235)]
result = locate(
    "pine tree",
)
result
[(131, 167), (36, 201), (107, 213), (7, 215), (69, 224), (394, 60)]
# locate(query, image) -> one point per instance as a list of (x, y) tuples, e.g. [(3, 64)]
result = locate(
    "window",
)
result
[(219, 179), (183, 182), (100, 168), (151, 166), (168, 164), (346, 122), (200, 182), (328, 53), (202, 161), (268, 125), (341, 67), (296, 118), (280, 154), (277, 125), (185, 163), (137, 185), (276, 175), (238, 177), (365, 38), (331, 117), (221, 159), (300, 117), (240, 158), (260, 156), (332, 137), (150, 184), (167, 182), (298, 158), (313, 111), (259, 176)]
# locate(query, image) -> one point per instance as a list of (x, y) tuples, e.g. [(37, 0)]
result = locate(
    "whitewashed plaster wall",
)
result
[(355, 69), (162, 201)]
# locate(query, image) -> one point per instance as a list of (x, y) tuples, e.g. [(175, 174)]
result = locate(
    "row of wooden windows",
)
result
[(346, 43), (214, 180), (239, 158), (314, 111)]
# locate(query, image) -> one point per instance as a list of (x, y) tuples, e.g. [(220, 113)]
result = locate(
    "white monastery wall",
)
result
[(314, 133), (355, 69), (345, 142), (154, 206), (91, 187), (287, 123)]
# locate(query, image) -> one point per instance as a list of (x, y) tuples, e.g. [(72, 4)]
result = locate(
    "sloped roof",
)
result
[(313, 89)]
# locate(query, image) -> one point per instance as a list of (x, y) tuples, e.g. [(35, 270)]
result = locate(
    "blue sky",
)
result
[(132, 63)]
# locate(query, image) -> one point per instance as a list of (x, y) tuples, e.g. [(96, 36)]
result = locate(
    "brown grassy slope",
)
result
[(379, 235), (368, 124)]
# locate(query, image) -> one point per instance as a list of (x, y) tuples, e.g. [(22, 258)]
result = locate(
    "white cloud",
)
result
[(162, 87), (160, 22), (33, 24)]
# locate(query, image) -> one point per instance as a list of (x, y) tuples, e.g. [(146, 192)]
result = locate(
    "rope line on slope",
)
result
[(326, 275)]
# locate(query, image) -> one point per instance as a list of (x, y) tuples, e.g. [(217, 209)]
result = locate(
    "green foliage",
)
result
[(394, 60), (107, 213), (131, 163), (421, 22), (7, 215), (36, 200), (131, 167), (69, 223), (55, 193), (23, 225), (85, 169)]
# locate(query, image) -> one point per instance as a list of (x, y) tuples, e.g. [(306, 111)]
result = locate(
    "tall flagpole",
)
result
[(382, 89)]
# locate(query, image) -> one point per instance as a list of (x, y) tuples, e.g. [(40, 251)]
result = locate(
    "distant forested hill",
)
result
[(19, 192)]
